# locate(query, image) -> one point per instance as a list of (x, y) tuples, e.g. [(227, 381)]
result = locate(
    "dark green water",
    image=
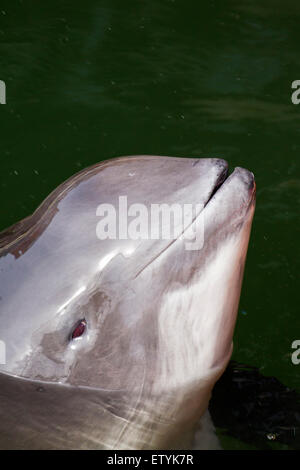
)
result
[(91, 80)]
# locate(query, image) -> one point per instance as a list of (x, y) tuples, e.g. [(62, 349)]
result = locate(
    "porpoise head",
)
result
[(117, 341)]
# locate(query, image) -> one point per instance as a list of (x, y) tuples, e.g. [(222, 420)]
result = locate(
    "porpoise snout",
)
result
[(247, 177)]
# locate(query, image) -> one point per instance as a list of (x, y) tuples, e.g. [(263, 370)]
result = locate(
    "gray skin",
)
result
[(159, 317)]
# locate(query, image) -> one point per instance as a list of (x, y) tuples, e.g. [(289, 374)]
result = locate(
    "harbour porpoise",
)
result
[(117, 343)]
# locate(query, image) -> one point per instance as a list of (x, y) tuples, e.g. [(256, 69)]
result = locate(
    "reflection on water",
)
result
[(89, 82)]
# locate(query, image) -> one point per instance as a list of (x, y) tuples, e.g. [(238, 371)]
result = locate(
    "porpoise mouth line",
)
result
[(222, 178), (225, 178)]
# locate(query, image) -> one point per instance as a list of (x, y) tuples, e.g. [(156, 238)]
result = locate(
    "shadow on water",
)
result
[(256, 409)]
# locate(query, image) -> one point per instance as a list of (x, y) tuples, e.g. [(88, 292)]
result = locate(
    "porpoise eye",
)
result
[(79, 329)]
